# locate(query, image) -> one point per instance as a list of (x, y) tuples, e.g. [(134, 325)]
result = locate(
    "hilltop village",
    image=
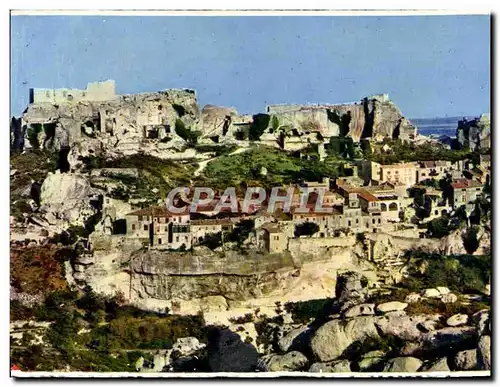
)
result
[(406, 232)]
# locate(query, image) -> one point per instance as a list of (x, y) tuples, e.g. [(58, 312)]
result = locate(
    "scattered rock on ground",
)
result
[(449, 298), (360, 310), (457, 319), (391, 306), (431, 293)]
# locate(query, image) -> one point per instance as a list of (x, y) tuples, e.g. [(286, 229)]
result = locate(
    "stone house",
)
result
[(200, 228), (464, 192), (158, 228), (435, 204), (272, 238), (401, 173), (432, 170)]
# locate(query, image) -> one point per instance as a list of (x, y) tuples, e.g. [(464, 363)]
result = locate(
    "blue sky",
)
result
[(432, 66)]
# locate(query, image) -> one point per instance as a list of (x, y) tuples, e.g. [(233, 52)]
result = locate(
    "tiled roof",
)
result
[(158, 211), (465, 183), (201, 222)]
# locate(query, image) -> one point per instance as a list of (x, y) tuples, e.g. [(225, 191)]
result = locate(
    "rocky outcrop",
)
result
[(374, 117), (67, 199), (475, 134), (126, 124)]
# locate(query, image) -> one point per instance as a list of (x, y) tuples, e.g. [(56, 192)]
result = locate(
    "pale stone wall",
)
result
[(308, 245), (95, 91)]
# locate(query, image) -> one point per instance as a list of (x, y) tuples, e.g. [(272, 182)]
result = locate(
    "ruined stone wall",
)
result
[(95, 91), (309, 245)]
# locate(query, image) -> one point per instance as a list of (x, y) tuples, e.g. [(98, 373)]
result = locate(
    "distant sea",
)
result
[(437, 126)]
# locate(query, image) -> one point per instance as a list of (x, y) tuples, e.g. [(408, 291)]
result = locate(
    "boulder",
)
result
[(440, 365), (412, 297), (291, 361), (351, 285), (484, 353), (391, 306), (370, 360), (427, 325), (457, 319), (334, 366), (227, 353), (332, 338), (395, 313), (442, 290), (403, 327), (449, 298), (360, 310), (187, 345), (296, 339), (482, 320), (431, 293), (448, 337), (465, 360), (403, 364)]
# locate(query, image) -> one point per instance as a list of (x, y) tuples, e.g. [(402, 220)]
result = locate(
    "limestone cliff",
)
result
[(122, 125), (374, 117), (475, 134)]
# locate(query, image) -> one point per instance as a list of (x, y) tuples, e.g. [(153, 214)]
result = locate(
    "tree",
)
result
[(470, 240), (439, 227), (188, 135), (241, 231), (259, 125), (306, 228)]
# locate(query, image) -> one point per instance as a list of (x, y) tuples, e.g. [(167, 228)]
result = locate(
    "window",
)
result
[(436, 212), (166, 229), (186, 238), (349, 223), (378, 220), (159, 241), (177, 238), (133, 227), (140, 218), (373, 221), (145, 227), (357, 221)]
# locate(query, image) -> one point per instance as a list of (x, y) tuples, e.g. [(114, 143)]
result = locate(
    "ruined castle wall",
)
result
[(95, 91)]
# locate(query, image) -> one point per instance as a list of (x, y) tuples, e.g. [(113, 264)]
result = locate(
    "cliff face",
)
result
[(475, 134), (122, 125), (146, 123), (373, 117)]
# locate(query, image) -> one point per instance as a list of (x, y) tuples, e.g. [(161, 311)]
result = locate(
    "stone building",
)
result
[(401, 173), (464, 192), (158, 228), (272, 238), (432, 170), (200, 228)]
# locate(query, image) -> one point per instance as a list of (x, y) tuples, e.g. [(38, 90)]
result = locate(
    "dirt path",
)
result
[(203, 164)]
